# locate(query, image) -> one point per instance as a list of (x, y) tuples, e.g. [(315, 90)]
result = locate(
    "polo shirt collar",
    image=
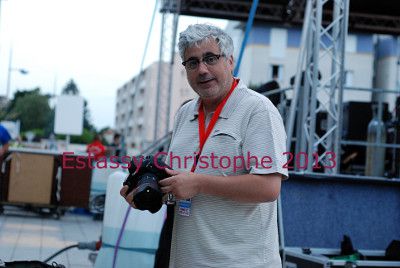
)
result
[(230, 105)]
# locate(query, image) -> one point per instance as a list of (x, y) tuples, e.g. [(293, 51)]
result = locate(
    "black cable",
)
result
[(59, 252)]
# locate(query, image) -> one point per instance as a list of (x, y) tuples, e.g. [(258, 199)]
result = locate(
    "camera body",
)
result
[(145, 178)]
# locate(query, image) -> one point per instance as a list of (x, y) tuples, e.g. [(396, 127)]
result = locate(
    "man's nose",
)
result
[(202, 67)]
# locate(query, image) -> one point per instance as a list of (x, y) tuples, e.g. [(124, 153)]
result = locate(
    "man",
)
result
[(4, 140), (226, 214)]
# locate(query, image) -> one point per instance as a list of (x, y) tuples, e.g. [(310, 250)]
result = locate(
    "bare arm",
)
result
[(243, 188), (249, 188)]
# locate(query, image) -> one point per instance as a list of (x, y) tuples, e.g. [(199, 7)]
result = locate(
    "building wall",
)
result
[(182, 90), (272, 48), (136, 110)]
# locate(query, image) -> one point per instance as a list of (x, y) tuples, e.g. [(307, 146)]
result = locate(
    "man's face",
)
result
[(210, 82)]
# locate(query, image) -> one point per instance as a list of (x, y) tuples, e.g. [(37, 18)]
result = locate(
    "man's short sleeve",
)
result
[(264, 145)]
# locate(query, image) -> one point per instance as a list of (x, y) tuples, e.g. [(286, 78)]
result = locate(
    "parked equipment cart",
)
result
[(36, 179)]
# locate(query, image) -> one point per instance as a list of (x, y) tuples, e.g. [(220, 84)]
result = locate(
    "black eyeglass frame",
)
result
[(202, 60)]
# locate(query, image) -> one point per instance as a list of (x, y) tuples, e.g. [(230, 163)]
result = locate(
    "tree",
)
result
[(31, 108), (70, 89), (86, 118)]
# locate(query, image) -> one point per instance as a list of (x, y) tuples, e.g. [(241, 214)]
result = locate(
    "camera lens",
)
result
[(149, 196)]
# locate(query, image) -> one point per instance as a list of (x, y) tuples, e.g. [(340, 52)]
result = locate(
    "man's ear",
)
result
[(231, 63), (230, 59)]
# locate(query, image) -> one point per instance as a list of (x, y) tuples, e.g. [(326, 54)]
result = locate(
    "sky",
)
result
[(97, 43)]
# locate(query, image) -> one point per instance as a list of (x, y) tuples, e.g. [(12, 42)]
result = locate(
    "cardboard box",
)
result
[(31, 178)]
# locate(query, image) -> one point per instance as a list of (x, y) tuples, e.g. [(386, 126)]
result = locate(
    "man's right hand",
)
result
[(128, 197)]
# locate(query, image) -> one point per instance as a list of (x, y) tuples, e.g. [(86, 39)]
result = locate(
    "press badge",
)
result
[(184, 207)]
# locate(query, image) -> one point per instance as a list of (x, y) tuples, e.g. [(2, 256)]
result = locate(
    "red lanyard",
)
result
[(203, 133)]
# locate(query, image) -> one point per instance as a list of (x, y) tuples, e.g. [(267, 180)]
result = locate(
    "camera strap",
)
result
[(203, 133)]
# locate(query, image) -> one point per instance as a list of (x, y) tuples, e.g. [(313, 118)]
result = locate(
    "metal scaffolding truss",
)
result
[(169, 25), (239, 10), (366, 15), (323, 40), (375, 23), (313, 93)]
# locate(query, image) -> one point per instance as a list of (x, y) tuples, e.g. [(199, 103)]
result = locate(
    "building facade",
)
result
[(271, 53), (135, 115)]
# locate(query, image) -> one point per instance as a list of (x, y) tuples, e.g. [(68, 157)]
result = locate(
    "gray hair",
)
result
[(197, 33)]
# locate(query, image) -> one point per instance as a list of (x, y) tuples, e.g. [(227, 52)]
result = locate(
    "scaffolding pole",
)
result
[(324, 44), (169, 24)]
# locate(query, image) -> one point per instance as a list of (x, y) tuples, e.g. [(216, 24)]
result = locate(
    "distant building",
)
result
[(136, 110), (272, 53)]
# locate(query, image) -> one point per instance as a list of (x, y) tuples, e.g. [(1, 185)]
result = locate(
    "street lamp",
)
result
[(20, 70), (10, 70)]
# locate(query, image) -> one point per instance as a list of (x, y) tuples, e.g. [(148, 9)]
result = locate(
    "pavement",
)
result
[(25, 235)]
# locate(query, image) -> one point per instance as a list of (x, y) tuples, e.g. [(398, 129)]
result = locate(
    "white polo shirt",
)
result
[(220, 232)]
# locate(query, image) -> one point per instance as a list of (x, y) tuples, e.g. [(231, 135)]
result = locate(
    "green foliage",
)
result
[(19, 94), (86, 137), (50, 124), (39, 134), (31, 108), (86, 118), (70, 88)]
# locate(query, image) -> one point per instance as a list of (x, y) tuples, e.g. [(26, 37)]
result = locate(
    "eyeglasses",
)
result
[(209, 60)]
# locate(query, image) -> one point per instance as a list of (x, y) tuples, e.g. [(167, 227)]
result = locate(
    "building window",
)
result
[(348, 79), (276, 73), (139, 128)]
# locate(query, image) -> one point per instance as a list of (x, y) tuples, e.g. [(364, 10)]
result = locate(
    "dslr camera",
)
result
[(148, 195)]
